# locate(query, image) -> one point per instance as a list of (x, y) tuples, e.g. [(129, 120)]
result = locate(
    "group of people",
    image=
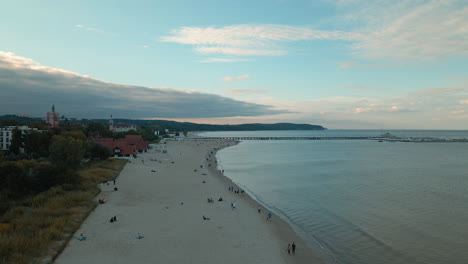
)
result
[(231, 188), (291, 248)]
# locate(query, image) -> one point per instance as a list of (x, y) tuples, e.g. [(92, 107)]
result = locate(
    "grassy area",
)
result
[(39, 227)]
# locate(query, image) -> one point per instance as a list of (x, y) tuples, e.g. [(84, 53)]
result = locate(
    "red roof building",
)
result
[(124, 147)]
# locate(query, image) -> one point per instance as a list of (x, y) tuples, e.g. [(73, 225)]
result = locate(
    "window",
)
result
[(7, 139)]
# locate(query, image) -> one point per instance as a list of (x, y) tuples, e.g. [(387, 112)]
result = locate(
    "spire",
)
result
[(53, 108)]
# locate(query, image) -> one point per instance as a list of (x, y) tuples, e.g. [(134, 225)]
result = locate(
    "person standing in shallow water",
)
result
[(293, 248)]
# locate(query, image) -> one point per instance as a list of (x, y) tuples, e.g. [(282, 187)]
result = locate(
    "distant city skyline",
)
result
[(388, 64)]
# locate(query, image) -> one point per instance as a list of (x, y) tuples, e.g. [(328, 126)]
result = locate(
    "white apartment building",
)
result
[(6, 135)]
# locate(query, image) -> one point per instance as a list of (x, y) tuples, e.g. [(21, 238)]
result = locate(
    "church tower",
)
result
[(52, 119)]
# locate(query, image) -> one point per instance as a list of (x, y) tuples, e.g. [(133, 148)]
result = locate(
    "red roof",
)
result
[(127, 146)]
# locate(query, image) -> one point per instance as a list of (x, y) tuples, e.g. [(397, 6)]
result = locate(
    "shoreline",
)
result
[(163, 196), (283, 228)]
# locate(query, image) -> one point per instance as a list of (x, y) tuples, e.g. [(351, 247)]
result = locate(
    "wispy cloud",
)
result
[(232, 79), (252, 40), (247, 91), (365, 88), (89, 28), (411, 30), (355, 64), (382, 30), (239, 51), (458, 112), (222, 60), (71, 91)]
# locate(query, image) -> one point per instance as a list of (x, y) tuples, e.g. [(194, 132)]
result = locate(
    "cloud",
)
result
[(361, 109), (78, 95), (463, 101), (441, 91), (89, 28), (364, 88), (398, 30), (251, 40), (232, 79), (239, 51), (409, 30), (457, 112), (222, 60), (247, 91), (355, 64)]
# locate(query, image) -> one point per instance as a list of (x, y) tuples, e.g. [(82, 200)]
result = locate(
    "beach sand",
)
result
[(167, 207)]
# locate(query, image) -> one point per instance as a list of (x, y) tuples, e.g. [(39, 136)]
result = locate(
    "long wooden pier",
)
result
[(380, 139), (285, 138)]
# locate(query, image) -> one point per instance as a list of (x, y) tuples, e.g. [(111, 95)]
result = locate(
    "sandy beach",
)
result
[(164, 197)]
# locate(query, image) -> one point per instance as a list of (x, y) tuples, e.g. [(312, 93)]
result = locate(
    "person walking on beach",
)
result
[(269, 216), (288, 249), (293, 248)]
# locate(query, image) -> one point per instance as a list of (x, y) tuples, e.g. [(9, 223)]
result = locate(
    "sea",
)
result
[(361, 201)]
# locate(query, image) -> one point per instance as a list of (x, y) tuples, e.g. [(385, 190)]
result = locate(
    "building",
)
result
[(124, 127), (129, 146), (6, 135), (52, 118), (121, 127)]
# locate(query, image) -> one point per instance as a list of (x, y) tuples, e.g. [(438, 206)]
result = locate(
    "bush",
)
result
[(14, 179)]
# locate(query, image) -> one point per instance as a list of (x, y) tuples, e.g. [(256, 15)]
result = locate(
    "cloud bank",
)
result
[(30, 88)]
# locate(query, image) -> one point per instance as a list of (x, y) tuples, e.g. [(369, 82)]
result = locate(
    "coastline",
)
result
[(163, 196), (282, 228)]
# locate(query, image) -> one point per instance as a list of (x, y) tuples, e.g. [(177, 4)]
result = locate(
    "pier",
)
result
[(380, 139), (285, 138)]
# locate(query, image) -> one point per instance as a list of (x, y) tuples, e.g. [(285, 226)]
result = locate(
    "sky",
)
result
[(342, 64)]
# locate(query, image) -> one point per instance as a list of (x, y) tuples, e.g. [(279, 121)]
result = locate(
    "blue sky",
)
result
[(338, 63)]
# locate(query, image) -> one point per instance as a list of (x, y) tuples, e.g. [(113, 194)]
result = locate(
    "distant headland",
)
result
[(180, 126)]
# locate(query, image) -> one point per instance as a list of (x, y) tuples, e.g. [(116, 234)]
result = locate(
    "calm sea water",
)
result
[(362, 201)]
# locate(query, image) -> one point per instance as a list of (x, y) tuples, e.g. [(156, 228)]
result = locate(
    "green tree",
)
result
[(97, 151), (38, 125), (36, 144), (95, 129), (76, 135), (16, 141), (66, 152), (9, 122), (147, 132)]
